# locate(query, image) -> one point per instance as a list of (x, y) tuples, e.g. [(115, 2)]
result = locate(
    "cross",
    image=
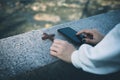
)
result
[(48, 36)]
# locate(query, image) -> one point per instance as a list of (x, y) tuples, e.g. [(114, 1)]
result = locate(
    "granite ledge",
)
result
[(28, 51)]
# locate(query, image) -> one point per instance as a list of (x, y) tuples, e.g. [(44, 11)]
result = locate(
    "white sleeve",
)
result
[(104, 58)]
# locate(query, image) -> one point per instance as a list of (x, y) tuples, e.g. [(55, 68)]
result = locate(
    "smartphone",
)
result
[(71, 34)]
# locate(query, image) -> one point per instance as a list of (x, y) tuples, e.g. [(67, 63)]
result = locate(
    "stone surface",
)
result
[(28, 51)]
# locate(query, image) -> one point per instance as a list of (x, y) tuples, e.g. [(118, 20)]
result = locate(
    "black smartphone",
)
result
[(71, 34)]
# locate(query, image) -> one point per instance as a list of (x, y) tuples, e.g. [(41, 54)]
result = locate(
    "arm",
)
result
[(104, 58), (63, 49)]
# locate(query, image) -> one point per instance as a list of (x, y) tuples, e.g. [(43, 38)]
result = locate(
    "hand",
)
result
[(62, 49), (96, 36)]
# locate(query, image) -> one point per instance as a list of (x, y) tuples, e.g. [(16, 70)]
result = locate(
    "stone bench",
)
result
[(28, 51)]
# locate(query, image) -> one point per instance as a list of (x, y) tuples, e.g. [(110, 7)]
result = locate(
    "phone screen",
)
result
[(70, 33)]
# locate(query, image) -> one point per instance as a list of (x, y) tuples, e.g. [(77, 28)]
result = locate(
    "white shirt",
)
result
[(104, 58)]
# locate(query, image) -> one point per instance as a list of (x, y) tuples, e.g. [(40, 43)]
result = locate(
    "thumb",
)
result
[(89, 41)]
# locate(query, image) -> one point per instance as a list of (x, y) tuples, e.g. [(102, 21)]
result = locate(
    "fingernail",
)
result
[(83, 40)]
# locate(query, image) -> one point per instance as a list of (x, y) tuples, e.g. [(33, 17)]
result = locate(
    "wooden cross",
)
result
[(48, 36)]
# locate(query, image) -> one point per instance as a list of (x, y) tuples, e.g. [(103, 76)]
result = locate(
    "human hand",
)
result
[(96, 36), (62, 50)]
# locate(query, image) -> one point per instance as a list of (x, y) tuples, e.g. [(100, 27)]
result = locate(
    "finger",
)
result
[(53, 48), (88, 31), (89, 41), (96, 31), (53, 53), (58, 41), (56, 45), (82, 31)]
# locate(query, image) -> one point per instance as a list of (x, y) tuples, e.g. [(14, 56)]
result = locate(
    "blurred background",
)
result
[(19, 16)]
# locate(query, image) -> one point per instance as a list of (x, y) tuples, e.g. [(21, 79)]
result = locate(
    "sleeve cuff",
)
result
[(79, 55), (75, 59)]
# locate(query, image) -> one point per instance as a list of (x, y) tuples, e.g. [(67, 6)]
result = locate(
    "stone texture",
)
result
[(28, 51)]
